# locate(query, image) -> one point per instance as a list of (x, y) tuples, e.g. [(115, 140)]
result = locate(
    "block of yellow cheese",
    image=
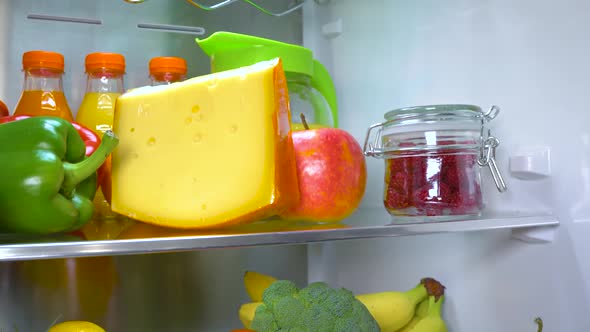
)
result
[(210, 151)]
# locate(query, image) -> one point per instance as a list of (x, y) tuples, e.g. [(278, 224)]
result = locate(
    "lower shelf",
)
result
[(365, 223)]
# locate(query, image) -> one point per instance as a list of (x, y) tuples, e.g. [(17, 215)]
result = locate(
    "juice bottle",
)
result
[(43, 86), (104, 84), (167, 70)]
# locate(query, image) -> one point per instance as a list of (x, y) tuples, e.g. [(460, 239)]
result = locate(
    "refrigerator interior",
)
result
[(528, 57)]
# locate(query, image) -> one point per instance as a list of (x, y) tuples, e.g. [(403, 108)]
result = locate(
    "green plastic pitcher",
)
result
[(311, 90)]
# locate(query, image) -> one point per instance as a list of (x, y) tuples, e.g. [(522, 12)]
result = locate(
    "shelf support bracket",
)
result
[(541, 234)]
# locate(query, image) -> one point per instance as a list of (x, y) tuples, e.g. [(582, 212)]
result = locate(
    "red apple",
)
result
[(332, 175)]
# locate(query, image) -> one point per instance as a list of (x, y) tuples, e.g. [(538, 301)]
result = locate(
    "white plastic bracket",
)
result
[(532, 163), (537, 235), (332, 29)]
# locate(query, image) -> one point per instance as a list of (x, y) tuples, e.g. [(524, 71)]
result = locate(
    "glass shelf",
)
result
[(365, 223), (219, 4)]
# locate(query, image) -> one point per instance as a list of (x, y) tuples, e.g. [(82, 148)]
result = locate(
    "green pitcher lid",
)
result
[(230, 50)]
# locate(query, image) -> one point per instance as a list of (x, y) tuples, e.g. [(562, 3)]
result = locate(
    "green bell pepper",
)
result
[(46, 183)]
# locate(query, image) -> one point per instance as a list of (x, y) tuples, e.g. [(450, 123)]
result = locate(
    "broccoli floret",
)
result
[(280, 289), (316, 316), (348, 325), (266, 321), (315, 308), (316, 292), (339, 301), (288, 311)]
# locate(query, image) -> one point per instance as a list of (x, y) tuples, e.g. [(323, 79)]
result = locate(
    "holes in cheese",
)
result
[(218, 150)]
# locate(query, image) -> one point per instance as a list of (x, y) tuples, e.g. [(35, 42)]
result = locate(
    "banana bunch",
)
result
[(416, 310), (427, 317)]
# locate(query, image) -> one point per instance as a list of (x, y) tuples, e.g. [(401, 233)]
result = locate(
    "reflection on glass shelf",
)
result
[(140, 238)]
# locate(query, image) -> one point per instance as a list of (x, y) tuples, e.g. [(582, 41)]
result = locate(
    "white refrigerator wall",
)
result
[(532, 59)]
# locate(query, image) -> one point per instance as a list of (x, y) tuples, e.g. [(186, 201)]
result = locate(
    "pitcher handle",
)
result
[(322, 82)]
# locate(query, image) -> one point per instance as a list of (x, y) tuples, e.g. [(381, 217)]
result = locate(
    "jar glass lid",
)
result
[(434, 113), (466, 123)]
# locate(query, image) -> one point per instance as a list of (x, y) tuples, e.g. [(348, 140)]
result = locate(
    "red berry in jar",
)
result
[(433, 185)]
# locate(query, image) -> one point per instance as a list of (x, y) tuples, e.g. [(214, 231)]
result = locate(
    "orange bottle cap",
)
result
[(43, 59), (100, 61), (168, 64)]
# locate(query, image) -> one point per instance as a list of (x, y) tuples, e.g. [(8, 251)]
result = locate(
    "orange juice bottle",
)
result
[(104, 84), (166, 70), (43, 86)]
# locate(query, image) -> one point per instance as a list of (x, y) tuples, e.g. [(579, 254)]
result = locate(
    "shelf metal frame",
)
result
[(362, 225)]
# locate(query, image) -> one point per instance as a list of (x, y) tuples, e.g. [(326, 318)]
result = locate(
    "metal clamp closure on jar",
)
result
[(489, 144), (433, 116)]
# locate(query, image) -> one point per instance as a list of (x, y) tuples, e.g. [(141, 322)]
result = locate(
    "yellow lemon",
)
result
[(76, 326)]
